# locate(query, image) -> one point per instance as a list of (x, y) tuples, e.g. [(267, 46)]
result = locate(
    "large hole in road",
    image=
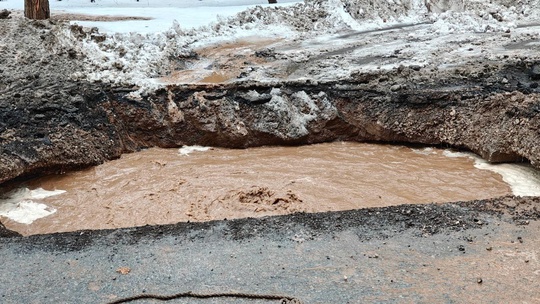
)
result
[(161, 186), (247, 94)]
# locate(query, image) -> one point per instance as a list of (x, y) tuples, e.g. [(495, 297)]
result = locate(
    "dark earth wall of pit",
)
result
[(51, 123)]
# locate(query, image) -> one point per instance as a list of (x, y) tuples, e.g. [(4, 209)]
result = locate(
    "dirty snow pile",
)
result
[(290, 117), (139, 59)]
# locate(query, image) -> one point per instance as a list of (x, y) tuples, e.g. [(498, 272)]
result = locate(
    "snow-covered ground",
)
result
[(188, 13), (315, 39)]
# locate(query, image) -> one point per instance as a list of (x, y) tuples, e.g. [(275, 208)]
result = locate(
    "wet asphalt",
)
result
[(386, 255)]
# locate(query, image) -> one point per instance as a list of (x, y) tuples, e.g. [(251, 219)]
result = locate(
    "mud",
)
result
[(159, 186), (223, 62)]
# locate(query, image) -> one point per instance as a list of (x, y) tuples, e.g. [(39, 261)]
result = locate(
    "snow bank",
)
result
[(139, 58)]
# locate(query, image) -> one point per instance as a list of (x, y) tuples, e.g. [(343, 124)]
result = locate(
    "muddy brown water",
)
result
[(160, 186)]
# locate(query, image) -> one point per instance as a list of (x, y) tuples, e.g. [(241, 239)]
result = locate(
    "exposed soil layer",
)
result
[(50, 122), (47, 120)]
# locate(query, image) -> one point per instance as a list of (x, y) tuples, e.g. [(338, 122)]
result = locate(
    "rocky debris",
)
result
[(522, 210)]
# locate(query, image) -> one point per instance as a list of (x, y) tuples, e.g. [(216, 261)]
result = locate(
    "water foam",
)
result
[(18, 205), (424, 151), (523, 179), (186, 150)]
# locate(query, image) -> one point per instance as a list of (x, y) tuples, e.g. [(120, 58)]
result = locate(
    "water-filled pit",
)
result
[(160, 186)]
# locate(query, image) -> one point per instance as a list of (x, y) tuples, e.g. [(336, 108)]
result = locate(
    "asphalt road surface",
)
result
[(482, 251)]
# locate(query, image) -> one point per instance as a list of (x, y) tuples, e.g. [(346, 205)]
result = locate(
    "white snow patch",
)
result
[(523, 179), (186, 150), (289, 117), (295, 124), (18, 205)]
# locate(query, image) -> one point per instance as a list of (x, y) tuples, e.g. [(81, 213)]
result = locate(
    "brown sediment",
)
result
[(215, 77), (224, 62), (160, 186)]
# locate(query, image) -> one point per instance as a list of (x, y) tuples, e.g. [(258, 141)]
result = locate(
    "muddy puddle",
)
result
[(222, 62), (159, 186)]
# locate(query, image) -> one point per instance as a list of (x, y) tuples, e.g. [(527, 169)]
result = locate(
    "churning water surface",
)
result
[(159, 186)]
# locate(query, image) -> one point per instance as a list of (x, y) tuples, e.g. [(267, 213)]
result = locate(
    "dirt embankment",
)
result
[(50, 122), (47, 120), (476, 113)]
